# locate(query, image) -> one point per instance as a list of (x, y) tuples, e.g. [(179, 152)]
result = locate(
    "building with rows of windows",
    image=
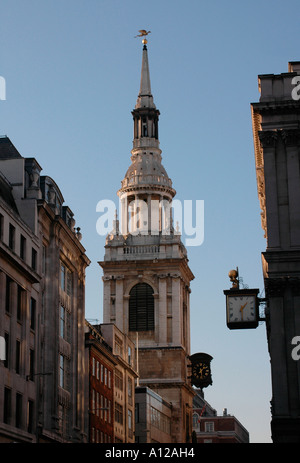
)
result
[(100, 384), (42, 313), (211, 428)]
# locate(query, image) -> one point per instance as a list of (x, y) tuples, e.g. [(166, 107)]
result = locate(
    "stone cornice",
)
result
[(279, 106)]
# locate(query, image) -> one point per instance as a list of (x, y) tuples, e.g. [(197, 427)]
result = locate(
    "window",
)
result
[(93, 408), (44, 260), (141, 308), (118, 413), (18, 356), (209, 426), (119, 380), (30, 416), (61, 371), (8, 294), (34, 259), (101, 407), (160, 420), (196, 420), (6, 361), (11, 237), (20, 296), (19, 401), (62, 277), (69, 283), (66, 279), (62, 322), (118, 346), (97, 404), (129, 355), (22, 247), (109, 379), (7, 406), (63, 419), (130, 391), (105, 408), (1, 226), (130, 427), (130, 420), (32, 313)]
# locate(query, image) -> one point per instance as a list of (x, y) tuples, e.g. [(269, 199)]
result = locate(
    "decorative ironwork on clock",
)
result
[(201, 370)]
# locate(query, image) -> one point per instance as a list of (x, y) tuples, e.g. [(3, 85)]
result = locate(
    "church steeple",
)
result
[(145, 98), (145, 114), (146, 179), (146, 280)]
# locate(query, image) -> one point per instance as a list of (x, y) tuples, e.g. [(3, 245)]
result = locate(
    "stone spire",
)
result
[(145, 114), (145, 98)]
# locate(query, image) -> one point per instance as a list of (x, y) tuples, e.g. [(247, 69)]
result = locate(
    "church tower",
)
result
[(146, 272)]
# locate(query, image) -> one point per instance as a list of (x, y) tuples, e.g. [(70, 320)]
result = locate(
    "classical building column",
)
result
[(106, 300), (124, 216), (162, 308), (292, 142), (121, 317), (149, 197), (176, 310)]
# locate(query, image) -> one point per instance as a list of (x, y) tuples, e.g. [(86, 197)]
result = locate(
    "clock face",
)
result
[(201, 370), (241, 308)]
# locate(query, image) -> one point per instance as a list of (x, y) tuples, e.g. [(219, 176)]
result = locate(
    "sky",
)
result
[(72, 74)]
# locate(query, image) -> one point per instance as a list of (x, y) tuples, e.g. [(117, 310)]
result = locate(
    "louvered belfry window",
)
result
[(141, 308)]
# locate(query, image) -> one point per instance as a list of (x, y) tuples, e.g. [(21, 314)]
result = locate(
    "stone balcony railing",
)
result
[(149, 179), (142, 249)]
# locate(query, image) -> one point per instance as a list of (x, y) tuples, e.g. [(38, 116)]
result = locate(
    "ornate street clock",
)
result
[(242, 305), (242, 308), (201, 372)]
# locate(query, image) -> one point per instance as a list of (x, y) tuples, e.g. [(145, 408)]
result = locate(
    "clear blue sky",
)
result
[(72, 71)]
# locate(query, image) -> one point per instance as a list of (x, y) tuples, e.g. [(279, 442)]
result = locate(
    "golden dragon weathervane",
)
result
[(143, 33)]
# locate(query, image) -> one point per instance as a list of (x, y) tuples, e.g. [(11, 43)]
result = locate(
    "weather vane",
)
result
[(143, 33)]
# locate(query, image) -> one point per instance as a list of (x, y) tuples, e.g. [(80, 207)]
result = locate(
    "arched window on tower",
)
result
[(141, 308), (145, 129)]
